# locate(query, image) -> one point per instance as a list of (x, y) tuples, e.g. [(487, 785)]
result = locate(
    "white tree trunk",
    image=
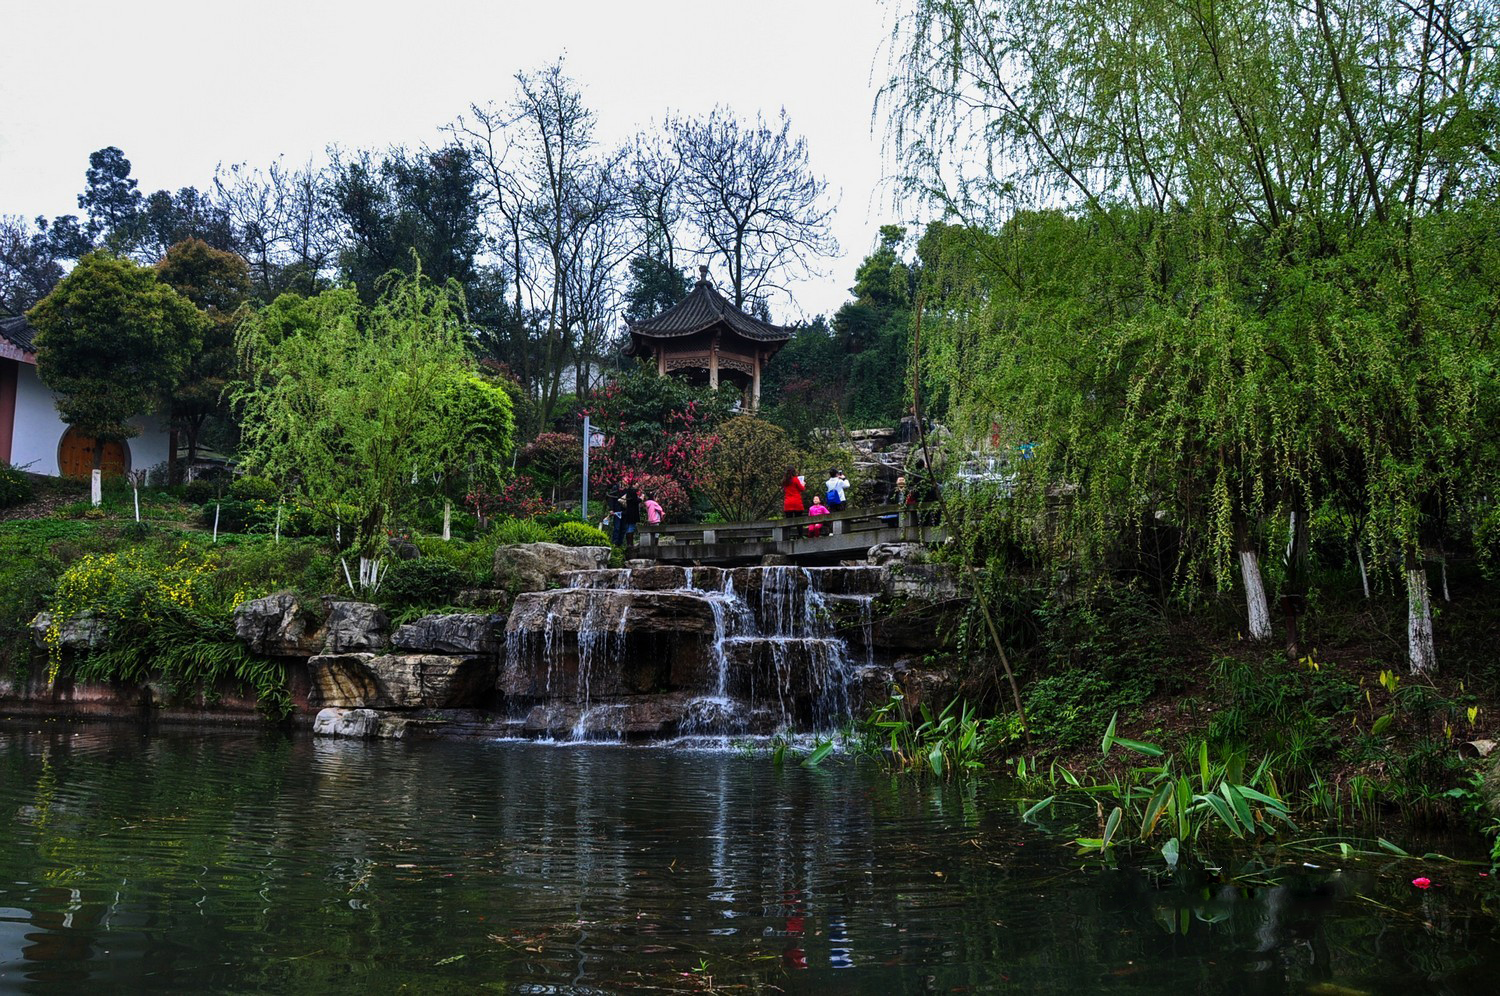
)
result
[(1364, 578), (1420, 649), (1255, 596), (369, 574), (447, 520), (96, 486)]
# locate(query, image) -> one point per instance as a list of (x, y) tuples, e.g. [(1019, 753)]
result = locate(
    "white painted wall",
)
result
[(38, 430)]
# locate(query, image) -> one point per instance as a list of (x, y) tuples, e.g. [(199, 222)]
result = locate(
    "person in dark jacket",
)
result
[(616, 506), (632, 513)]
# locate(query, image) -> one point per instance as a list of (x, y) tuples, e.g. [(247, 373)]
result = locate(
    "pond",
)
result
[(137, 860)]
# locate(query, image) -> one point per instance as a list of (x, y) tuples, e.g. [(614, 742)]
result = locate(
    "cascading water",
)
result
[(695, 653)]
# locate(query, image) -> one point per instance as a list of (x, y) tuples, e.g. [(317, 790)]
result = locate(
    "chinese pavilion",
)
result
[(706, 340)]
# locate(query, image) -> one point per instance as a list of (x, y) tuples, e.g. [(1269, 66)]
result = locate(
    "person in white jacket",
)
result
[(837, 488)]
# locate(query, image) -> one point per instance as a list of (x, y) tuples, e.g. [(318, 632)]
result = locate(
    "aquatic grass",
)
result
[(954, 740), (1172, 801)]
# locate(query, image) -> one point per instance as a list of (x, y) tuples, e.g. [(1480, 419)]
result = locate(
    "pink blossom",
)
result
[(1422, 882)]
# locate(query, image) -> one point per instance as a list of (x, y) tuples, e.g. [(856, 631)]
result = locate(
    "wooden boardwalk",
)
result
[(846, 535)]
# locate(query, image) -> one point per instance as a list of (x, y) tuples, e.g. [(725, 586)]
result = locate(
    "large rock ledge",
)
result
[(540, 566), (459, 633), (281, 626), (401, 681)]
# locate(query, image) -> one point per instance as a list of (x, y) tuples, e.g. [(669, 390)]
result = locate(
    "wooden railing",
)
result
[(838, 531)]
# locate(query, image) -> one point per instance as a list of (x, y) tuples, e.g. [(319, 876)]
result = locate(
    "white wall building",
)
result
[(34, 438)]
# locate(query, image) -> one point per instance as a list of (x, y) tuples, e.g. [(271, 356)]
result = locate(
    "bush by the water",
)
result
[(167, 607), (15, 486), (578, 534), (426, 581)]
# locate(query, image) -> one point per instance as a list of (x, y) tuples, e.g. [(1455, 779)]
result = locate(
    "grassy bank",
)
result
[(165, 587), (1341, 736)]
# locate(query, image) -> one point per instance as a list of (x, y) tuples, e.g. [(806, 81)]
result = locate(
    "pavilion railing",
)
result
[(845, 523)]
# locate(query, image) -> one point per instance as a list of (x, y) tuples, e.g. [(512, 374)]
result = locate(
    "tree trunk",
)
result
[(1256, 609), (1420, 649), (194, 426), (1364, 577), (96, 477), (370, 574), (447, 520), (174, 468), (1294, 592)]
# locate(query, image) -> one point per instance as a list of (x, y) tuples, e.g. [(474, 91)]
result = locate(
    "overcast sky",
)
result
[(182, 86)]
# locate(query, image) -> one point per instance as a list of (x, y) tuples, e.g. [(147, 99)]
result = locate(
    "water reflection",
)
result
[(248, 863)]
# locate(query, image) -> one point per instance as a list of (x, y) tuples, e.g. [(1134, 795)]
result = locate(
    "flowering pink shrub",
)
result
[(655, 430), (518, 498)]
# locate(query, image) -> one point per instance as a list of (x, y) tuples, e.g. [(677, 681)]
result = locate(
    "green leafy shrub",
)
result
[(425, 581), (578, 534), (168, 620), (475, 558), (236, 516), (15, 486), (253, 567), (27, 573), (1069, 707), (135, 531), (253, 488), (200, 491), (508, 531), (743, 472)]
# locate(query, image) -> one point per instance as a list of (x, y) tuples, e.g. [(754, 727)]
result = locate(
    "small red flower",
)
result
[(1422, 882)]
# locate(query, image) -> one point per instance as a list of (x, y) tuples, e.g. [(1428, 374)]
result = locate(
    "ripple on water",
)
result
[(247, 863)]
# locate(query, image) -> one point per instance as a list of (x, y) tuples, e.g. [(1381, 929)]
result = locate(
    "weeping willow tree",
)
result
[(1225, 262), (360, 411)]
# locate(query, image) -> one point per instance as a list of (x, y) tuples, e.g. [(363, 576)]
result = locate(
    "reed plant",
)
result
[(954, 740), (1171, 800)]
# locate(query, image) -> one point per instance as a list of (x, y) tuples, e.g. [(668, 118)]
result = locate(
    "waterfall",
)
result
[(703, 653)]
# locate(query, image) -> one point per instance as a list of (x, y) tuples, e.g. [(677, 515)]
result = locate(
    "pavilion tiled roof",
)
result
[(19, 331), (702, 309)]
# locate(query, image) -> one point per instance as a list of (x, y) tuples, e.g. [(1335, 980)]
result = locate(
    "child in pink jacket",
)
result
[(818, 508)]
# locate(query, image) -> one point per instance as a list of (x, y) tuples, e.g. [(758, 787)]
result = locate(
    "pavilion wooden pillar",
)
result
[(755, 381), (661, 362), (713, 363)]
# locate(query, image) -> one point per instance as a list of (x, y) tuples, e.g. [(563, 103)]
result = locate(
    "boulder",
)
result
[(872, 438), (924, 582), (433, 681), (346, 723), (344, 681), (84, 631), (882, 554), (494, 599), (459, 633), (354, 627), (278, 626), (654, 577), (540, 566)]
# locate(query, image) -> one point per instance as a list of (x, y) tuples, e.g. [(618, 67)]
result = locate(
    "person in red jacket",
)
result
[(792, 488)]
